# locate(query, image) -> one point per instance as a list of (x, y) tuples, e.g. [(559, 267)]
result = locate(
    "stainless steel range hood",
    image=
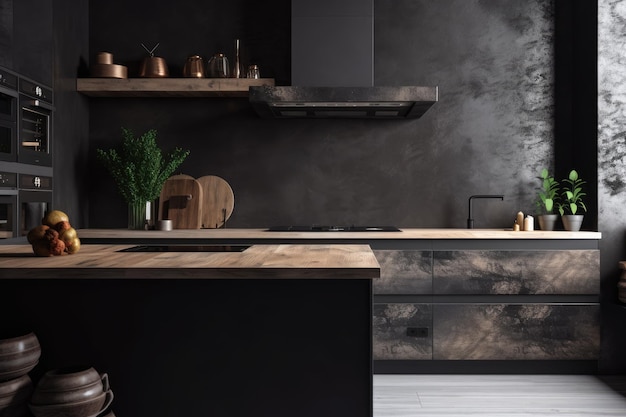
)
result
[(332, 63)]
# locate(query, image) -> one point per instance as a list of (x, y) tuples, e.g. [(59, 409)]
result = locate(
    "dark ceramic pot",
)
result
[(572, 222), (547, 222)]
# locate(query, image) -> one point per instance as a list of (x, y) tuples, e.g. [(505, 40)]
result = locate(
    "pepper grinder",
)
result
[(237, 65)]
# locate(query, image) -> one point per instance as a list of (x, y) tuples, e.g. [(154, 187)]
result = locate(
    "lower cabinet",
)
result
[(402, 331), (487, 305), (516, 331), (404, 272), (563, 272)]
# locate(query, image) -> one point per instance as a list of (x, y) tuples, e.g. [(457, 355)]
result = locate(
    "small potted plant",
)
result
[(572, 201), (547, 201), (140, 169)]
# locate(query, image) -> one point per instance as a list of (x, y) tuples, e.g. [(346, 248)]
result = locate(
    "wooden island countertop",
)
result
[(404, 234), (257, 261)]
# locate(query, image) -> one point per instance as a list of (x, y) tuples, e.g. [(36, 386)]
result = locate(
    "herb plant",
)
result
[(549, 193), (140, 168), (573, 194)]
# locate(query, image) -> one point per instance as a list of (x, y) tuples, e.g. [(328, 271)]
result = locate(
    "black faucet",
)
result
[(470, 220)]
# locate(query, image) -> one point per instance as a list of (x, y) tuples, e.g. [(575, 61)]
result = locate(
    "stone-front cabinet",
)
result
[(487, 305)]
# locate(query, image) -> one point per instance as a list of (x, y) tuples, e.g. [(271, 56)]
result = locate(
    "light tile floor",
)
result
[(499, 395)]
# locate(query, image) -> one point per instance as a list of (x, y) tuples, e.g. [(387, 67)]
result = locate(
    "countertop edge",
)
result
[(404, 234), (275, 261)]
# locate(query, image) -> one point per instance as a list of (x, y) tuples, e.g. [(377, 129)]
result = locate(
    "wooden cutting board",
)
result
[(218, 201), (181, 177), (181, 202)]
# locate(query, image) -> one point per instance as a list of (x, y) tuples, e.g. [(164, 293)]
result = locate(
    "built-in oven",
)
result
[(8, 205), (35, 123), (35, 197), (8, 116)]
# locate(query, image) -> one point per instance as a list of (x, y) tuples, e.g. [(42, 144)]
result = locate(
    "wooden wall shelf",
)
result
[(168, 87)]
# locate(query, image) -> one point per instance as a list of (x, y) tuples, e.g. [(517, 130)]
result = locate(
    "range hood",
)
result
[(332, 69)]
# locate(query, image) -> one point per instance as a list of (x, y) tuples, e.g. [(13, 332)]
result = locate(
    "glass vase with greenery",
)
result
[(140, 168)]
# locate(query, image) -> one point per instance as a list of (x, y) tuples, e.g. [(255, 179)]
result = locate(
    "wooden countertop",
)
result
[(263, 234), (258, 261)]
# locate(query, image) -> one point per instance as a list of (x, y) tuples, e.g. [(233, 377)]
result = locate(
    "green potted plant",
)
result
[(547, 201), (572, 204), (140, 169)]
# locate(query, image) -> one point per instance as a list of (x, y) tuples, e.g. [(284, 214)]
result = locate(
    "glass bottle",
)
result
[(237, 64)]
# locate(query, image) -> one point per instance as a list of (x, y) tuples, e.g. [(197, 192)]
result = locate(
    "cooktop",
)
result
[(316, 228)]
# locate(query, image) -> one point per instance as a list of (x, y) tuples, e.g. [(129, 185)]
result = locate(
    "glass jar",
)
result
[(140, 215), (253, 72)]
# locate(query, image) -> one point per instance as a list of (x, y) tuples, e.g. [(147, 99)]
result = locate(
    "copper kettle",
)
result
[(153, 66)]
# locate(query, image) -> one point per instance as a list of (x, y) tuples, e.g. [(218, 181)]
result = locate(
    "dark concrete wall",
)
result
[(491, 132), (71, 118)]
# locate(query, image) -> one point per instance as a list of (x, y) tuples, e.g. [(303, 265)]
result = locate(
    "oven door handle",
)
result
[(8, 92), (41, 104)]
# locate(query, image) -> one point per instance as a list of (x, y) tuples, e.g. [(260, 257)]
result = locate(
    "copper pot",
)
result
[(194, 67)]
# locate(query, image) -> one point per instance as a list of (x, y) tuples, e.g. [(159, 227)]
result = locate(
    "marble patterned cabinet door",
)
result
[(404, 272), (516, 272), (516, 331), (396, 329)]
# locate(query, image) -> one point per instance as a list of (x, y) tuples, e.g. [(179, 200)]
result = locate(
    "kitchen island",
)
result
[(460, 300), (277, 330)]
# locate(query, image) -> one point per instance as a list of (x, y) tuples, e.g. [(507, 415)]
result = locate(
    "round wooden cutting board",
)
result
[(181, 177), (218, 201), (181, 201)]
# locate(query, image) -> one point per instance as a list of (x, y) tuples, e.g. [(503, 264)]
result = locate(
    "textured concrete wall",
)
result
[(490, 133), (492, 130), (612, 111), (612, 170)]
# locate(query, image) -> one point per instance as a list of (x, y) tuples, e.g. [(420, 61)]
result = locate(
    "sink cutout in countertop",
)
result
[(186, 248), (324, 228)]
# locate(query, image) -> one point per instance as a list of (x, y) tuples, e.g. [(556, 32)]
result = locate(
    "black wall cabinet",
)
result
[(26, 38)]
